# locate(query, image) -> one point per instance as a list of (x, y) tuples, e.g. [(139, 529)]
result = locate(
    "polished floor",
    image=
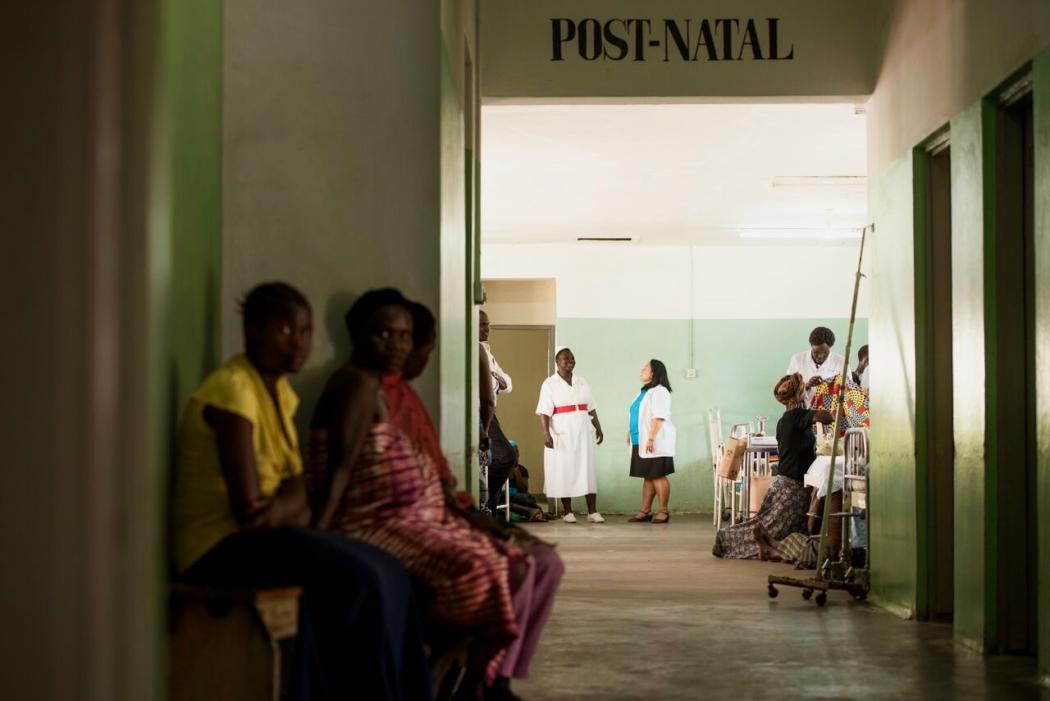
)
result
[(645, 612)]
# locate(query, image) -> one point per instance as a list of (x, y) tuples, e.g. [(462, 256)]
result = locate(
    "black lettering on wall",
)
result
[(641, 36), (559, 37), (727, 36), (585, 30), (773, 21), (673, 33), (705, 39), (619, 41), (750, 39)]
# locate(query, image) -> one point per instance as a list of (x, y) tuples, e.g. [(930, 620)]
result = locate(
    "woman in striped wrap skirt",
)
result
[(385, 489)]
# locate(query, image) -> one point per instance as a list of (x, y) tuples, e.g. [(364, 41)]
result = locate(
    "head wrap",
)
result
[(790, 389)]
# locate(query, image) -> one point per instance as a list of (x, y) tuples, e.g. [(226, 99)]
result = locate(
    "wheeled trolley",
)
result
[(836, 570)]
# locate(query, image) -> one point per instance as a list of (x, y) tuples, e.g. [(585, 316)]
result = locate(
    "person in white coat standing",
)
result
[(818, 363), (652, 437), (570, 430)]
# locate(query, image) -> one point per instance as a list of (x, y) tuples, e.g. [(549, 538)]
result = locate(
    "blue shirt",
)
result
[(634, 416)]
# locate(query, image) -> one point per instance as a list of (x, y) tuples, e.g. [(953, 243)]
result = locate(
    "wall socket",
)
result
[(690, 374)]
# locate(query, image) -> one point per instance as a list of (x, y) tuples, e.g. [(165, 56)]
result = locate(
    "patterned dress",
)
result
[(783, 512), (394, 501)]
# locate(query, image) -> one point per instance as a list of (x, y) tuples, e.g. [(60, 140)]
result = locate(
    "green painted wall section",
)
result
[(193, 80), (737, 363), (897, 490), (184, 243), (919, 261), (455, 383), (185, 237), (457, 348), (892, 488), (971, 172), (1041, 94)]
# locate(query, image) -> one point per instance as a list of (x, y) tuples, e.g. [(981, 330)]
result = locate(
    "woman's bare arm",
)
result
[(233, 436), (548, 439), (356, 396)]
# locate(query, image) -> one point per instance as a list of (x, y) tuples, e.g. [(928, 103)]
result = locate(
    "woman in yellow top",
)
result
[(241, 512)]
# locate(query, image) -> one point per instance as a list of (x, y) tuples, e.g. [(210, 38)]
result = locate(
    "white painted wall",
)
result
[(940, 56), (752, 281)]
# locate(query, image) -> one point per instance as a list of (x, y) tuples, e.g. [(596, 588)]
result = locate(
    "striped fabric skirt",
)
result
[(394, 500), (783, 512)]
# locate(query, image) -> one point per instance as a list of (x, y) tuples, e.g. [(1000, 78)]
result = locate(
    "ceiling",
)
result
[(672, 173)]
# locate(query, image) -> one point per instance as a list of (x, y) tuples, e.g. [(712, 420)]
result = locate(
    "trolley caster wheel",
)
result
[(860, 595), (772, 592), (806, 593), (822, 598)]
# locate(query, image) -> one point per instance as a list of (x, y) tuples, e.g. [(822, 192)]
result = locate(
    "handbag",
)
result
[(733, 457)]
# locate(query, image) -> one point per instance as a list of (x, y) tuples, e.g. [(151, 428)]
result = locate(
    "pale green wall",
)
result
[(192, 135), (895, 498), (892, 327), (737, 363), (343, 171), (457, 350), (972, 174), (332, 164), (184, 248)]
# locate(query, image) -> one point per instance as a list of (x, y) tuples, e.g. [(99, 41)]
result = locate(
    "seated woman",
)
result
[(387, 490), (783, 510), (521, 502), (240, 511)]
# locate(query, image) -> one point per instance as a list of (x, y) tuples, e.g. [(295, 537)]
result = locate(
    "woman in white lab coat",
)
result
[(570, 420), (652, 438)]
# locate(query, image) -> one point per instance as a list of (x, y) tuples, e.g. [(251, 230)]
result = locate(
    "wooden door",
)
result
[(526, 354)]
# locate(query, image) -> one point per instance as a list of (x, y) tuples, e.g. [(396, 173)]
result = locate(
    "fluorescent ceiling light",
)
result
[(786, 234), (818, 181)]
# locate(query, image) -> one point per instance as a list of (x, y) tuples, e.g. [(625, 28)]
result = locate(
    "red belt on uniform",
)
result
[(569, 407)]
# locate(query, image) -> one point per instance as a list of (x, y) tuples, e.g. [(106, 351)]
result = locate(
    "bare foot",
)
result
[(766, 549)]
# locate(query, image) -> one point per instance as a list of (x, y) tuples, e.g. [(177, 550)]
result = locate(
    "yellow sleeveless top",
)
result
[(201, 510)]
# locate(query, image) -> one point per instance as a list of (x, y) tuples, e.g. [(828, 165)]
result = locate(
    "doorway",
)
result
[(526, 353), (936, 452), (1013, 365)]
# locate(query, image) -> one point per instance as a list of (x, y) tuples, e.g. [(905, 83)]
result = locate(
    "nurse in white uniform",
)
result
[(570, 431), (818, 363)]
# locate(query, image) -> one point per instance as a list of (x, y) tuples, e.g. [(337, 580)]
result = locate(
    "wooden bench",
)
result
[(232, 644)]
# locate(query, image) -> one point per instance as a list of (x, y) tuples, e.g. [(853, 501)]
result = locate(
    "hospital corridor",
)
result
[(486, 350)]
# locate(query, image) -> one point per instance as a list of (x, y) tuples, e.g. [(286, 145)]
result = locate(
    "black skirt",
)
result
[(650, 467)]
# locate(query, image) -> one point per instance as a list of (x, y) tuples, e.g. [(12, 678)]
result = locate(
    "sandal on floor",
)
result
[(641, 517), (666, 517)]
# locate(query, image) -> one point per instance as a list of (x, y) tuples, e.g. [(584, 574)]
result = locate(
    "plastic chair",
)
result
[(717, 448)]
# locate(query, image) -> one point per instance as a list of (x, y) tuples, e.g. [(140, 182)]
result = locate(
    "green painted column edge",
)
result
[(991, 359), (471, 252), (1041, 131), (920, 165)]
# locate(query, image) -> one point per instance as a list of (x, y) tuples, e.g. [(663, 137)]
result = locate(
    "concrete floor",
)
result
[(646, 612)]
